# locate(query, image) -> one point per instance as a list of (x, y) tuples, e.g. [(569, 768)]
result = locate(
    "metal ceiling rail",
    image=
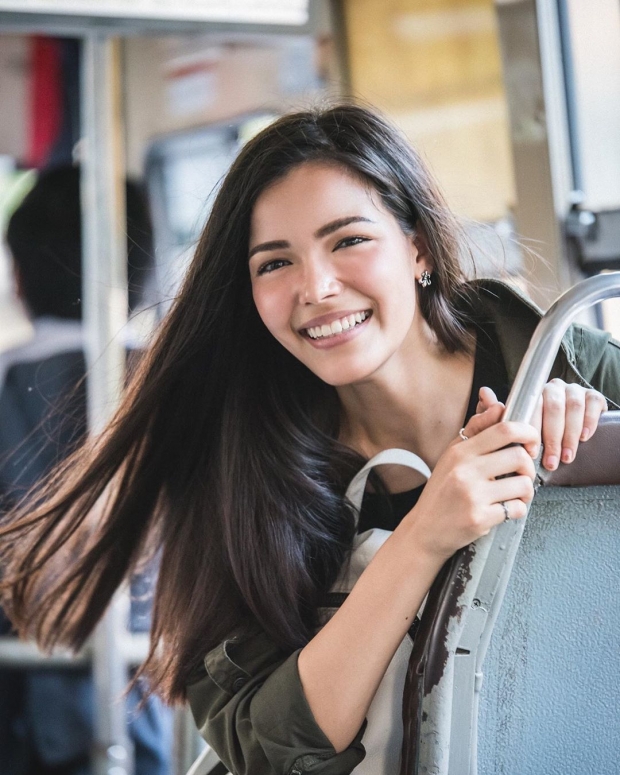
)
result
[(157, 17), (464, 601), (19, 654)]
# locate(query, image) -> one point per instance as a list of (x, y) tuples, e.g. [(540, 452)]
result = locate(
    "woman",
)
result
[(325, 317)]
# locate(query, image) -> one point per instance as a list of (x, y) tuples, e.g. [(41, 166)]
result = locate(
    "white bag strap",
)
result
[(399, 457)]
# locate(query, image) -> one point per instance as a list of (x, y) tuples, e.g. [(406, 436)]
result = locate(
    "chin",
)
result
[(339, 377)]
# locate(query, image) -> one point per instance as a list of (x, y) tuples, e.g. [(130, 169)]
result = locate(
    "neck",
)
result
[(417, 401)]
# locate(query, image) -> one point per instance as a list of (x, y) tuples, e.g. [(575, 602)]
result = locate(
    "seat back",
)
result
[(567, 555), (549, 698)]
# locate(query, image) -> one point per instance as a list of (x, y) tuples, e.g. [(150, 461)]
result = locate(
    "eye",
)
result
[(348, 242), (271, 266)]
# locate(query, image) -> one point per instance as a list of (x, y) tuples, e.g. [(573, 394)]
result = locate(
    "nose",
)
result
[(319, 281)]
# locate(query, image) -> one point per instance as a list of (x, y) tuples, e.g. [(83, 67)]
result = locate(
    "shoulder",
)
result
[(51, 337), (492, 294), (587, 355), (513, 315), (597, 358)]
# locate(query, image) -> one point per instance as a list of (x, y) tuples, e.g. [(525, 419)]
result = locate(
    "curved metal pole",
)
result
[(467, 594), (524, 394), (545, 343), (490, 585)]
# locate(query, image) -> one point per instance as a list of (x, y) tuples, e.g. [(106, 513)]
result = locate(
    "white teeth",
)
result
[(338, 326)]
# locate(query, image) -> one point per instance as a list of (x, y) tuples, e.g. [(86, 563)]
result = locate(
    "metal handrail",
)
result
[(466, 597), (545, 343), (133, 648)]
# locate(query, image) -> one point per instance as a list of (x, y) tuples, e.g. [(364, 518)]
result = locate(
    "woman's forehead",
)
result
[(311, 195)]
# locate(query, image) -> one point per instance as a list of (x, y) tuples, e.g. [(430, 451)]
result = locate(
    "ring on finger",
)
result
[(506, 512), (462, 435)]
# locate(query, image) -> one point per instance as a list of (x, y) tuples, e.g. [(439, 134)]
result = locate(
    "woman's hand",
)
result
[(463, 498), (566, 414)]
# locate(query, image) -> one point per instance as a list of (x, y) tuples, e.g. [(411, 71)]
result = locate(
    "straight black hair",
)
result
[(224, 453)]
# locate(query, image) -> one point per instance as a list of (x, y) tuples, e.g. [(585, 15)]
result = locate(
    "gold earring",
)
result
[(425, 279)]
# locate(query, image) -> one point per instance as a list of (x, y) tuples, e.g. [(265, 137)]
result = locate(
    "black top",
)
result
[(385, 510)]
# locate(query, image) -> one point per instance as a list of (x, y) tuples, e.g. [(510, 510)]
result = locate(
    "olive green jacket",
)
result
[(248, 701)]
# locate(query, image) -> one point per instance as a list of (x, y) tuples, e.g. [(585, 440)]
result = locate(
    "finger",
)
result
[(596, 404), (515, 509), (486, 399), (502, 434), (554, 411), (575, 397), (511, 488), (479, 422), (511, 460)]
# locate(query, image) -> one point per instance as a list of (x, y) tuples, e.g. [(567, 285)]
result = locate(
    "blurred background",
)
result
[(515, 105), (517, 114)]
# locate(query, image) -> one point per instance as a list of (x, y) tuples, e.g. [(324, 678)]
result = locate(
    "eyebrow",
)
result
[(324, 231)]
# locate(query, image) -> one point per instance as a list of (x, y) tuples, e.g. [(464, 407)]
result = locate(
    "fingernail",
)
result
[(585, 434), (551, 463), (567, 455)]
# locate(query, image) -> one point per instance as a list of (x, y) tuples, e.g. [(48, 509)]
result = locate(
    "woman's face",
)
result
[(333, 274)]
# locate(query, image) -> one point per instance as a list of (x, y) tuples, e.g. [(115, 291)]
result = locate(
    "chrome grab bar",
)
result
[(545, 343), (465, 599)]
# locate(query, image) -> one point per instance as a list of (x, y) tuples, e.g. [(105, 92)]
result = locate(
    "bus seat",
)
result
[(549, 698)]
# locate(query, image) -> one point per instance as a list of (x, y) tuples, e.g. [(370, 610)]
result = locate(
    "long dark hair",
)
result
[(223, 455)]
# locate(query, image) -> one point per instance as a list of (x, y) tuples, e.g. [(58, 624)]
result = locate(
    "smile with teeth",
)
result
[(338, 326)]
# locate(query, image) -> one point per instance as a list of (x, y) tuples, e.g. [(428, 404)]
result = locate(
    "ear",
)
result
[(422, 259)]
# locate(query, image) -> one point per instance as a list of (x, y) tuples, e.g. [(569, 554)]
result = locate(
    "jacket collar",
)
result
[(515, 317)]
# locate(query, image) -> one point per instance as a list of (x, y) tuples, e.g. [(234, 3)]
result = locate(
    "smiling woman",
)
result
[(325, 318), (332, 279)]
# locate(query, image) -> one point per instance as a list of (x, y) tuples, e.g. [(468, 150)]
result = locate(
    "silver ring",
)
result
[(462, 435), (506, 513)]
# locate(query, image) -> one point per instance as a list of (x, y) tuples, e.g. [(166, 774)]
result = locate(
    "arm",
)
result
[(249, 705), (265, 711), (344, 663), (342, 666)]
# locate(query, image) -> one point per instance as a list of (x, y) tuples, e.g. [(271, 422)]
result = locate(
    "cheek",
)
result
[(272, 308), (391, 283)]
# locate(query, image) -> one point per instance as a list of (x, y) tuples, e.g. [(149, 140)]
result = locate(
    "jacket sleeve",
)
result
[(249, 705), (598, 359)]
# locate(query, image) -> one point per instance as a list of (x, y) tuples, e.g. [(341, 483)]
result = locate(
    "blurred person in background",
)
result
[(47, 714)]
